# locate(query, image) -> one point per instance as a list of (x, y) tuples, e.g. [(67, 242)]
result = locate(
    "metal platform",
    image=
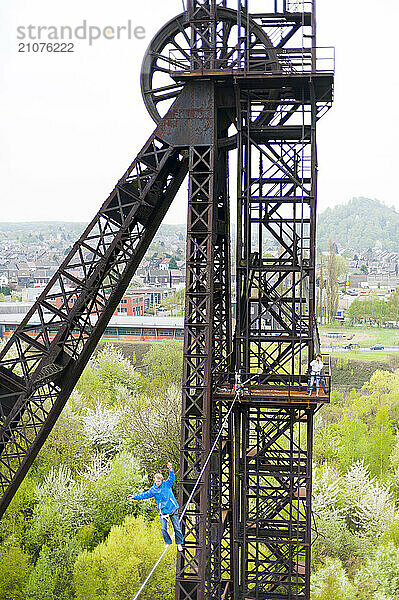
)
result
[(259, 395)]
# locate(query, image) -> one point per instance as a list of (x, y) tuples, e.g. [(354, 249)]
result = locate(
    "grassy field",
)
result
[(351, 370), (365, 336), (373, 355)]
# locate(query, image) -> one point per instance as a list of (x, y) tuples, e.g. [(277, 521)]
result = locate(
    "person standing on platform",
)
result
[(315, 375)]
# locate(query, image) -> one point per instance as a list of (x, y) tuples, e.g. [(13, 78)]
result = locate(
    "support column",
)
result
[(203, 569)]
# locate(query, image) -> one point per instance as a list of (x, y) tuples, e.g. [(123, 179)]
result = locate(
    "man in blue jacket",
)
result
[(162, 492)]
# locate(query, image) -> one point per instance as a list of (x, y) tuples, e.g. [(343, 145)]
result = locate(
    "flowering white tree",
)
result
[(97, 468), (376, 509), (380, 573), (105, 373), (327, 484), (124, 395), (101, 427), (332, 583), (63, 505), (368, 505), (112, 367)]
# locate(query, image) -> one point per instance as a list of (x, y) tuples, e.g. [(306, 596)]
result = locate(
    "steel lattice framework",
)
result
[(215, 79)]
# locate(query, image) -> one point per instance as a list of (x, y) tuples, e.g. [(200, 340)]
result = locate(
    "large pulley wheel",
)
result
[(171, 45)]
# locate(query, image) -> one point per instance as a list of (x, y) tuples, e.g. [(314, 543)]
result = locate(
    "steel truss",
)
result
[(214, 79), (276, 338), (276, 205), (38, 372), (273, 449), (254, 540)]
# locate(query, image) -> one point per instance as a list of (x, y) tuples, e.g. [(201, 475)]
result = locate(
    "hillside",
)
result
[(51, 226), (359, 224)]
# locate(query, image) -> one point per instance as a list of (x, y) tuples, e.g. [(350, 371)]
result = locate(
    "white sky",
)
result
[(70, 124)]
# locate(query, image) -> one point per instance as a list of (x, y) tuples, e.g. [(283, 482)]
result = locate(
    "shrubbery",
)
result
[(70, 531), (71, 534), (116, 567), (15, 567), (356, 485)]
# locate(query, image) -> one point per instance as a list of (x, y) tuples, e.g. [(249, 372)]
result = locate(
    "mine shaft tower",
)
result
[(222, 82)]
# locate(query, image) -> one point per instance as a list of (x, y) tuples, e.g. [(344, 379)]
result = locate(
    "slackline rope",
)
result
[(239, 386), (150, 574)]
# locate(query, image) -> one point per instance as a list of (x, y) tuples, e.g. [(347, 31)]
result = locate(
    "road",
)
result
[(361, 349)]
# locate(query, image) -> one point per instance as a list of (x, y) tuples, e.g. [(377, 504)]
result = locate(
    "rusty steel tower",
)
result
[(224, 82)]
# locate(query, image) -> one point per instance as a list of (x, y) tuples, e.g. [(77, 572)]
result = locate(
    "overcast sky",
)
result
[(71, 123)]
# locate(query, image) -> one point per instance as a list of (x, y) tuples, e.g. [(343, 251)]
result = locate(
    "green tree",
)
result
[(15, 567), (372, 310), (355, 312), (320, 309), (66, 445), (63, 506), (173, 263), (326, 444), (109, 490), (392, 309), (52, 576), (17, 519), (165, 361), (353, 436), (335, 540), (332, 285), (175, 302), (116, 568), (394, 458), (382, 441), (342, 266)]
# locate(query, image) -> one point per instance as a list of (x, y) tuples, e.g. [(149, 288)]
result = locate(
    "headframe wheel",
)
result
[(158, 87)]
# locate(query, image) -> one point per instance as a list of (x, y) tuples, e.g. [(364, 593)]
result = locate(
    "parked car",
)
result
[(351, 346), (377, 347)]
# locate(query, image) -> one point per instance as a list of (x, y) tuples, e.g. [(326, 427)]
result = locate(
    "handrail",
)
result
[(276, 61), (299, 6), (275, 382)]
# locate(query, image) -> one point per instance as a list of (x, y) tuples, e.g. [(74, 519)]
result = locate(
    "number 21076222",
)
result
[(46, 47)]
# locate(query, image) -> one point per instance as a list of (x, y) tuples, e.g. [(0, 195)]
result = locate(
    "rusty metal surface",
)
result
[(248, 528), (190, 120)]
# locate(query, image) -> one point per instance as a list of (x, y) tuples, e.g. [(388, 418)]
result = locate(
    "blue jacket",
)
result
[(164, 497)]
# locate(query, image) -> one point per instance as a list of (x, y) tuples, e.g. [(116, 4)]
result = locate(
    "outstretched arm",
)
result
[(143, 496), (171, 479)]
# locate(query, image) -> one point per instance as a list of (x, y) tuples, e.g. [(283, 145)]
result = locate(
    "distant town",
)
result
[(31, 253)]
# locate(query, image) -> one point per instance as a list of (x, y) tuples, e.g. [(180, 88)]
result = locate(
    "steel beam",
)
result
[(207, 356), (38, 371), (248, 525)]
